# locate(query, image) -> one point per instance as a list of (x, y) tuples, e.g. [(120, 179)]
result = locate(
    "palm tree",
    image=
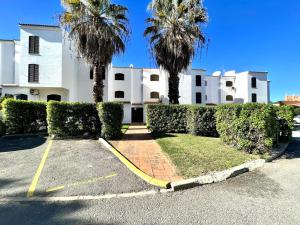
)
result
[(175, 33), (99, 30)]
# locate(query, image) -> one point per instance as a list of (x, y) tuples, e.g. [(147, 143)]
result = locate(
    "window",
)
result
[(34, 45), (198, 98), (254, 98), (22, 97), (206, 83), (198, 80), (253, 82), (154, 77), (229, 83), (92, 73), (119, 76), (33, 73), (54, 98), (119, 94), (154, 95), (229, 98)]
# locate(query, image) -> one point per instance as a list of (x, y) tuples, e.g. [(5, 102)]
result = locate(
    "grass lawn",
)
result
[(125, 128), (194, 156)]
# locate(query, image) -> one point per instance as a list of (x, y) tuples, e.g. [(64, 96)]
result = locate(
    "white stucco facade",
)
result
[(63, 74)]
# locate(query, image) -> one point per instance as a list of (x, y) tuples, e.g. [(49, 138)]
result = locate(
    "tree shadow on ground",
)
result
[(293, 150), (10, 144), (46, 213)]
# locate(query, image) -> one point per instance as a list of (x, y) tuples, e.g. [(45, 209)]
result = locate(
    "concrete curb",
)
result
[(134, 169), (278, 154), (217, 176)]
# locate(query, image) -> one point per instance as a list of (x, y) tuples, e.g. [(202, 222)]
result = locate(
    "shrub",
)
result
[(285, 115), (297, 111), (201, 121), (2, 100), (248, 127), (23, 117), (67, 119), (167, 118), (2, 127), (111, 117)]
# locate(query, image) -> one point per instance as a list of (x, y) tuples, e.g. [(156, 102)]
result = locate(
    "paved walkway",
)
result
[(139, 147)]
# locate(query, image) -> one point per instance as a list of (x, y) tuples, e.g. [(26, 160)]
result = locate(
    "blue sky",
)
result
[(244, 35)]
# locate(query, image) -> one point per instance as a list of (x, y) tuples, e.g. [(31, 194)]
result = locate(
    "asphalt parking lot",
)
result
[(37, 167)]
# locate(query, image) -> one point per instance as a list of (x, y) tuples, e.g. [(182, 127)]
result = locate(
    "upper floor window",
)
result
[(34, 44), (92, 73), (229, 98), (119, 76), (198, 80), (154, 77), (198, 98), (154, 95), (253, 82), (119, 94), (33, 73), (254, 98), (229, 83)]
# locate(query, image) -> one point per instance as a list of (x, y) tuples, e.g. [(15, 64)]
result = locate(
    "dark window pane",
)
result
[(254, 98), (229, 98), (154, 77), (53, 98), (119, 76), (198, 98), (22, 97), (119, 94), (198, 80), (33, 73), (34, 45), (154, 95), (229, 83), (91, 73), (253, 82)]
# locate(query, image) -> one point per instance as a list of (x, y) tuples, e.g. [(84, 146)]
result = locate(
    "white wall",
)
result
[(49, 59), (7, 58)]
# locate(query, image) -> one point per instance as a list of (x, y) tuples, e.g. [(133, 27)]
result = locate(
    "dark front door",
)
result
[(137, 115)]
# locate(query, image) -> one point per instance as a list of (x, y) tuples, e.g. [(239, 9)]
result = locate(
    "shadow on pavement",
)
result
[(10, 144), (293, 150)]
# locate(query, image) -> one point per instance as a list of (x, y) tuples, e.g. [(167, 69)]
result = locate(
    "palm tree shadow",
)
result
[(10, 144)]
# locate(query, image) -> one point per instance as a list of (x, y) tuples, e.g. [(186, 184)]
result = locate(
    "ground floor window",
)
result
[(53, 98), (254, 98), (154, 95), (229, 98), (22, 97), (119, 94), (198, 98)]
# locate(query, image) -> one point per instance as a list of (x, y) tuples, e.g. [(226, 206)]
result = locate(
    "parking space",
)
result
[(62, 168)]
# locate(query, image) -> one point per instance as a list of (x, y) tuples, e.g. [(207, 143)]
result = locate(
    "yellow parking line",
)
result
[(79, 183), (39, 171)]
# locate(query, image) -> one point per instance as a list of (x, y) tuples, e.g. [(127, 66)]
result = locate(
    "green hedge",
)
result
[(197, 120), (2, 127), (167, 118), (285, 115), (67, 119), (21, 117), (248, 127), (111, 117), (297, 111), (201, 121)]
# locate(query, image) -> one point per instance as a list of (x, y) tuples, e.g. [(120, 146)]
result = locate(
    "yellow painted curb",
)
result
[(135, 170)]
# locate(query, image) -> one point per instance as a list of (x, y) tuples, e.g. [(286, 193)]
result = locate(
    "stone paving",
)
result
[(139, 147)]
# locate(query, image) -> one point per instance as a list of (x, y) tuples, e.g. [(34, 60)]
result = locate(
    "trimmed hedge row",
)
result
[(285, 115), (198, 120), (22, 117), (2, 128), (111, 117), (248, 127), (72, 119)]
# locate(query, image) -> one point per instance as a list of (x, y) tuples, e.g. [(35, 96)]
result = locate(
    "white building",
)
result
[(42, 66)]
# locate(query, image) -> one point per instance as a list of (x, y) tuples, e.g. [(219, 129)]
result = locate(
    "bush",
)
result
[(297, 111), (201, 121), (21, 117), (285, 116), (248, 127), (167, 118), (2, 100), (67, 119), (2, 128), (111, 118)]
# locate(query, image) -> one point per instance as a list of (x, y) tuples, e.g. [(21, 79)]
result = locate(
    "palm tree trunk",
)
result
[(98, 83), (174, 88)]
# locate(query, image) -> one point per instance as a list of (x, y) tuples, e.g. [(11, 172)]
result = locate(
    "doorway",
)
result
[(137, 115)]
